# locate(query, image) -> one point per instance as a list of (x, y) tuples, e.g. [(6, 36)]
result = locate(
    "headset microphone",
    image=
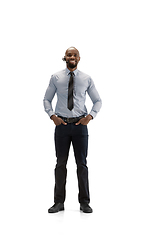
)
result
[(64, 59)]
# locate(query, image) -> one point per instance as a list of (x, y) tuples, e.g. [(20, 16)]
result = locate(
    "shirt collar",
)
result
[(68, 71)]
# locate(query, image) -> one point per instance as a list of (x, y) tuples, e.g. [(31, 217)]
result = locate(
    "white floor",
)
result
[(112, 222)]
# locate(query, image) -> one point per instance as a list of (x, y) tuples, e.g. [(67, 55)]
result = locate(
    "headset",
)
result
[(64, 58)]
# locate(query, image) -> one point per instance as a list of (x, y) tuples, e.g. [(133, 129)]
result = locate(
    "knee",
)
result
[(82, 167), (61, 162)]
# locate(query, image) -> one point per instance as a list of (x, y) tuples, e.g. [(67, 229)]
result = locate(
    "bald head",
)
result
[(70, 49)]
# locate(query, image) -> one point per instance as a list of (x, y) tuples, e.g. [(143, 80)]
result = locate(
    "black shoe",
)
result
[(56, 208), (85, 208)]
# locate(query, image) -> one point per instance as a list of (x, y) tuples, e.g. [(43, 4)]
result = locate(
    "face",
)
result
[(72, 58)]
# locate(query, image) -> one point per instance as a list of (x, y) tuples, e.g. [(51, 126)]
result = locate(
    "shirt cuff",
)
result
[(50, 113), (93, 114)]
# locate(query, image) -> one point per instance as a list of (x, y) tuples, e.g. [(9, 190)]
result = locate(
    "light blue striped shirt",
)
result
[(82, 84)]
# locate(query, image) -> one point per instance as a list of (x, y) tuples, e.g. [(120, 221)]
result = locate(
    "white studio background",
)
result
[(119, 47)]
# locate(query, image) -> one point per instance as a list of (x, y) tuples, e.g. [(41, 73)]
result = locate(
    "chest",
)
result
[(80, 85)]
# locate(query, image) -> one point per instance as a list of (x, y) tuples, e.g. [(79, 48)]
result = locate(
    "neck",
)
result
[(71, 69)]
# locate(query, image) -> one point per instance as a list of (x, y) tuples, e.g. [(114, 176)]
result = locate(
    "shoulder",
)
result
[(58, 74)]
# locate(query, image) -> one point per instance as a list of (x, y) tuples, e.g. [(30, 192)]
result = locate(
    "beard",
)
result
[(71, 65)]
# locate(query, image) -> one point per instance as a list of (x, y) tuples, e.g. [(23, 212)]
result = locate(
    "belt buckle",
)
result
[(68, 120)]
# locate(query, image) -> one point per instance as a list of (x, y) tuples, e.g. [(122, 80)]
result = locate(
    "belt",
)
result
[(71, 120)]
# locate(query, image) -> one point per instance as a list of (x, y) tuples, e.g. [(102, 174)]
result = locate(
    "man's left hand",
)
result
[(85, 120)]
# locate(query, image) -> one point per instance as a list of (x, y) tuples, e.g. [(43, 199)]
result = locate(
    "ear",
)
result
[(64, 58)]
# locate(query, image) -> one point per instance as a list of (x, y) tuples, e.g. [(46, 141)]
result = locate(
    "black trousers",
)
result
[(78, 135)]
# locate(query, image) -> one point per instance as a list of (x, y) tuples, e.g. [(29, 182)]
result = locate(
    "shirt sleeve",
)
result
[(94, 95), (49, 95)]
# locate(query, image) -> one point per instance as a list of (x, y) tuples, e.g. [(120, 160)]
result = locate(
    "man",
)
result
[(71, 119)]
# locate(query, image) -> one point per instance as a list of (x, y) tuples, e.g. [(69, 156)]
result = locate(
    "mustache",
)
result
[(64, 59)]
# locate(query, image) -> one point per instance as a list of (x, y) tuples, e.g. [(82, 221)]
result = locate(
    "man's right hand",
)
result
[(57, 121)]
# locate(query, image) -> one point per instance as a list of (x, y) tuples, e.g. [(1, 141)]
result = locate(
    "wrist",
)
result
[(53, 117), (89, 117)]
